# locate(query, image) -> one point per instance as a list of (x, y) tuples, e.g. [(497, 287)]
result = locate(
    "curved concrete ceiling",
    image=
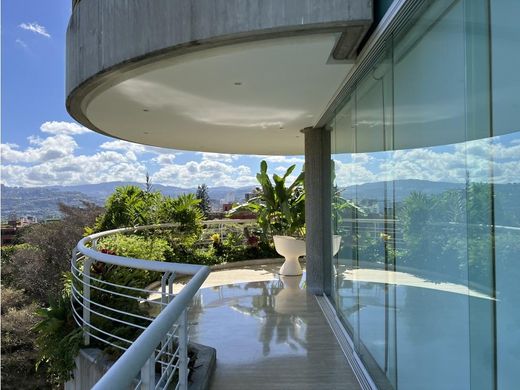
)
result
[(248, 98)]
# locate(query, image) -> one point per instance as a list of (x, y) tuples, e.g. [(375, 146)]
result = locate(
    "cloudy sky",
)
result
[(42, 145)]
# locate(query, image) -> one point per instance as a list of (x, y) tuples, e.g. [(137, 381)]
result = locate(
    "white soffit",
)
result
[(250, 98)]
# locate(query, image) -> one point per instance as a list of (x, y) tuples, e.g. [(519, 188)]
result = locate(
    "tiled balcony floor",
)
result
[(269, 335)]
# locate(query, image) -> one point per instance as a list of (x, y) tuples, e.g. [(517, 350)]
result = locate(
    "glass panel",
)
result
[(344, 243), (505, 33), (429, 77), (429, 107), (427, 157)]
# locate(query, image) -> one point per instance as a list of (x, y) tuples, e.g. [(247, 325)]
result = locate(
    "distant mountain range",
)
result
[(402, 188), (42, 202), (99, 192)]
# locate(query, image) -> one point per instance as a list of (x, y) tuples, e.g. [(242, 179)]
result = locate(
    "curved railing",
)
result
[(160, 341)]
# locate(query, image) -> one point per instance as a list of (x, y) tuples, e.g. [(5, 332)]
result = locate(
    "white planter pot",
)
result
[(291, 248), (336, 244)]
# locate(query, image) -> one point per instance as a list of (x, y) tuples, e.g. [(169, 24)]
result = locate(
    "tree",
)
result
[(32, 275), (38, 266), (184, 210), (204, 205), (130, 206)]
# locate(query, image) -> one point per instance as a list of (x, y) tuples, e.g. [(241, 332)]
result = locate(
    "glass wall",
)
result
[(426, 202)]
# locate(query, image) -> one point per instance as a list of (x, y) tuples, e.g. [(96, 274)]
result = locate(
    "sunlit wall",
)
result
[(426, 199)]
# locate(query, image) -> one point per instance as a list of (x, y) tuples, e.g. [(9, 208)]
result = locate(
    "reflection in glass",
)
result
[(428, 157)]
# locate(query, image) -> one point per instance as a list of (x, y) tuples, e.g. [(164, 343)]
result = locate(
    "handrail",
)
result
[(155, 343), (122, 373)]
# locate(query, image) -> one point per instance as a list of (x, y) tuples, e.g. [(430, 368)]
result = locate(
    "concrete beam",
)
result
[(318, 210)]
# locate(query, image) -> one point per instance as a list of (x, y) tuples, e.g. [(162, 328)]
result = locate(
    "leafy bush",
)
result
[(59, 340), (280, 209), (138, 247), (183, 210), (148, 248), (129, 206)]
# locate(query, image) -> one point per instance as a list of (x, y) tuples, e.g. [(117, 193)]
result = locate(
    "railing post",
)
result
[(165, 299), (183, 350), (86, 301), (164, 285), (171, 279), (73, 269), (148, 374)]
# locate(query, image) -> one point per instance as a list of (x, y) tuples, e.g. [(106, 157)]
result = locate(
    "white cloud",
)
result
[(281, 159), (212, 173), (21, 43), (35, 28), (68, 128), (362, 157), (164, 159), (222, 157), (125, 146), (481, 160), (353, 173), (53, 160), (70, 169), (281, 169), (42, 150)]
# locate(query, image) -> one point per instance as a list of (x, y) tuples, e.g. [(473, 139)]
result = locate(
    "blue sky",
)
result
[(42, 145)]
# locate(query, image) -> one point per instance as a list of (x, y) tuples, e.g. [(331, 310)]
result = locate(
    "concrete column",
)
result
[(318, 210)]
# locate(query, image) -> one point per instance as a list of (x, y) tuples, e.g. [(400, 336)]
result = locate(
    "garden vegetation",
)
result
[(39, 336)]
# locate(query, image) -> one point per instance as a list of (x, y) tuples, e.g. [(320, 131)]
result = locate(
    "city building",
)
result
[(396, 98), (12, 227)]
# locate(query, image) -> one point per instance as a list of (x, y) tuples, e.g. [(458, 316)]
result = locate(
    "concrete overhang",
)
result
[(230, 76)]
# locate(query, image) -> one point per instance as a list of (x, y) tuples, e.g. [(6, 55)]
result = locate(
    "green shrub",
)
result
[(129, 206), (138, 247), (183, 210), (59, 340), (148, 248)]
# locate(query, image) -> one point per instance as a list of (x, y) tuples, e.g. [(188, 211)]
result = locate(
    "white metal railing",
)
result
[(162, 342)]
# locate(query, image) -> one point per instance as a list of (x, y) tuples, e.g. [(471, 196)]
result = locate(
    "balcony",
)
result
[(267, 329), (269, 335)]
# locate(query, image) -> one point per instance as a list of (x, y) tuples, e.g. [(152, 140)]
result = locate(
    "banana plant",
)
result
[(280, 209)]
